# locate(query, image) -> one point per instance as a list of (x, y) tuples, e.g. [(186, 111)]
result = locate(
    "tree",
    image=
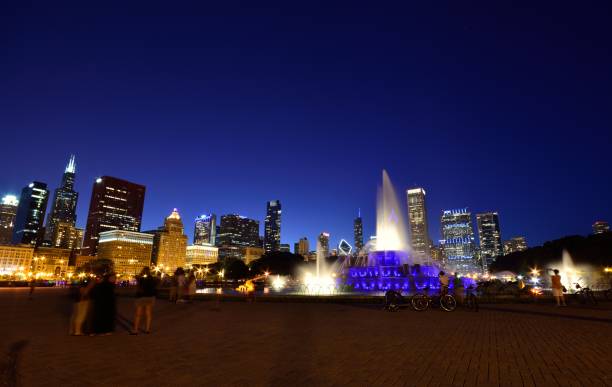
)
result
[(236, 269), (282, 263)]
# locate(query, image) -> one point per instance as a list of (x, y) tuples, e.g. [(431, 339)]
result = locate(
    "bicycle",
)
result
[(394, 301), (421, 302), (585, 294)]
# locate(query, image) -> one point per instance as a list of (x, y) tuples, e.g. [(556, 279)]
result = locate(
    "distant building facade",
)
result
[(358, 232), (8, 211), (170, 244), (251, 254), (489, 235), (302, 247), (129, 251), (458, 241), (202, 255), (272, 225), (515, 245), (205, 231), (51, 261), (285, 248), (63, 210), (15, 259), (116, 204), (601, 227), (30, 215), (417, 215)]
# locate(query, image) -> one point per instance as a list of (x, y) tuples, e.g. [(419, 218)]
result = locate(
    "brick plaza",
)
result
[(307, 344)]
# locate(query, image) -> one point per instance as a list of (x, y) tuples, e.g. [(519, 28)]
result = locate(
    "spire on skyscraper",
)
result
[(71, 167)]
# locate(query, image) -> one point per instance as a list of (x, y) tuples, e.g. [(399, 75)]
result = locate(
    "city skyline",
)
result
[(334, 239), (210, 121)]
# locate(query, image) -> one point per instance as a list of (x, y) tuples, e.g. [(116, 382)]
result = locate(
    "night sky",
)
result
[(221, 107)]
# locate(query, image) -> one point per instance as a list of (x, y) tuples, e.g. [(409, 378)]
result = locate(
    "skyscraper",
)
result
[(236, 230), (272, 232), (205, 231), (63, 209), (489, 236), (323, 245), (115, 205), (601, 227), (8, 211), (458, 241), (417, 214), (358, 232), (170, 244), (514, 245), (31, 214), (302, 247)]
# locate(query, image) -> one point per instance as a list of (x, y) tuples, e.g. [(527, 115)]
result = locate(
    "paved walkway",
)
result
[(276, 344)]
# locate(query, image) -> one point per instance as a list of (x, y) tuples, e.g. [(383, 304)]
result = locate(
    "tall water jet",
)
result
[(391, 232)]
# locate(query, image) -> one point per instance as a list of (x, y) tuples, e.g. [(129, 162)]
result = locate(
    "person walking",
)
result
[(557, 288), (81, 307), (104, 306), (145, 299)]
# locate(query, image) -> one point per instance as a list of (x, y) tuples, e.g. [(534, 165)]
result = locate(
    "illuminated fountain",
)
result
[(390, 265)]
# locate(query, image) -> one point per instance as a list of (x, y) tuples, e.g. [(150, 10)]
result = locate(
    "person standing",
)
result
[(145, 299), (181, 284), (458, 288), (444, 281), (191, 287), (104, 306), (557, 288), (81, 307)]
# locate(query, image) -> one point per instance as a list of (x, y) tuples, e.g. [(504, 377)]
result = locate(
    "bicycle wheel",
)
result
[(448, 303), (420, 302)]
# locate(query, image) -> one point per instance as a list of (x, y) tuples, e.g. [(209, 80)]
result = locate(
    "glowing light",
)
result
[(10, 200), (278, 283), (319, 285), (99, 180)]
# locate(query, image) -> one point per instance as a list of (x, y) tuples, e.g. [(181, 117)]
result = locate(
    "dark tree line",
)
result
[(595, 250)]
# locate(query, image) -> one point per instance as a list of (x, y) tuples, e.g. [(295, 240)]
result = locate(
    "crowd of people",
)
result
[(95, 307)]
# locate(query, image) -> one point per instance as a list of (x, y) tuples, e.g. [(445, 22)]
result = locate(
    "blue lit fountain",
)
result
[(389, 264)]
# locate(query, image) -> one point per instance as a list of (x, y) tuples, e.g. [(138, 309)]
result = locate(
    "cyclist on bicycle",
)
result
[(444, 281)]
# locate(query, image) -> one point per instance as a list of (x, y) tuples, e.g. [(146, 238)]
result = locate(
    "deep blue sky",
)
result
[(222, 106)]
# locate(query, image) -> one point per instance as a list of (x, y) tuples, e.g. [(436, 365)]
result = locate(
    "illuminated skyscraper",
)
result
[(31, 214), (514, 245), (63, 209), (344, 248), (458, 241), (170, 244), (490, 237), (358, 232), (115, 205), (272, 232), (8, 211), (236, 230), (601, 227), (417, 214), (205, 231)]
